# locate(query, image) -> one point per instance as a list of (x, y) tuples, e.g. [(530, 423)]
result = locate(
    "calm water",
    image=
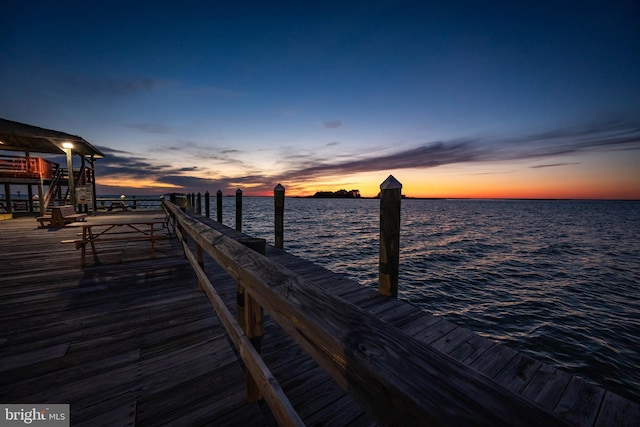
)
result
[(558, 280)]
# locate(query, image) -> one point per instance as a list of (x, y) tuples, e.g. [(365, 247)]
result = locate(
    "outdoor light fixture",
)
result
[(67, 145)]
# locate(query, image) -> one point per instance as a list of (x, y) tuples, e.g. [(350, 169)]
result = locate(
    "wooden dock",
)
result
[(131, 341)]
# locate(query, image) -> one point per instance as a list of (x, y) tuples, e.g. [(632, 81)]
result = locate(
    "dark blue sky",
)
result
[(448, 95)]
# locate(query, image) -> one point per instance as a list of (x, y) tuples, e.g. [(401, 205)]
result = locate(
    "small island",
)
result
[(340, 194)]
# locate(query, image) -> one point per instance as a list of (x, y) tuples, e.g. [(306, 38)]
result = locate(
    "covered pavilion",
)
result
[(55, 184)]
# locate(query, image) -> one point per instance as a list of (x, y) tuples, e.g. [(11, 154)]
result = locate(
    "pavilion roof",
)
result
[(15, 136)]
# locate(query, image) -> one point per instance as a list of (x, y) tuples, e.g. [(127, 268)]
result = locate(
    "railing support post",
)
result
[(219, 206), (239, 209), (200, 259), (278, 197), (207, 211), (389, 264), (249, 315)]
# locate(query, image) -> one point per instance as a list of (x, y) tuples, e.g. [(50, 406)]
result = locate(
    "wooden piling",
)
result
[(207, 210), (278, 197), (219, 206), (389, 263), (249, 315), (239, 209), (199, 204), (7, 198)]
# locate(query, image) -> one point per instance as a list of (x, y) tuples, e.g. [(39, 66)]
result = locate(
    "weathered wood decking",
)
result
[(132, 341)]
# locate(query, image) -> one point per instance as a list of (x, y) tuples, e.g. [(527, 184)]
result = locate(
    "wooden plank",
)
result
[(22, 360), (341, 412), (319, 399), (116, 410), (450, 341), (618, 411), (518, 372), (493, 360), (435, 331), (546, 387), (71, 368), (194, 400), (580, 402)]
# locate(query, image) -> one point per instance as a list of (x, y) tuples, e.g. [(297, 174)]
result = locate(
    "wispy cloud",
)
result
[(608, 136), (114, 86), (333, 124), (309, 165), (553, 165)]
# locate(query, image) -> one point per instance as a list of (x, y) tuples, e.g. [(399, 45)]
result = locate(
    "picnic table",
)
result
[(122, 231)]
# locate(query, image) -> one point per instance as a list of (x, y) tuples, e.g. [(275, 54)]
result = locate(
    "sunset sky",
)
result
[(455, 99)]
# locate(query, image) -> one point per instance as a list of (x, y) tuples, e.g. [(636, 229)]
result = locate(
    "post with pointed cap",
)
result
[(278, 197), (239, 209), (389, 265), (219, 206)]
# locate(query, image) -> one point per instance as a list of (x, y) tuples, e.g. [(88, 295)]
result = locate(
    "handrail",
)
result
[(280, 405), (396, 378), (53, 186), (28, 167)]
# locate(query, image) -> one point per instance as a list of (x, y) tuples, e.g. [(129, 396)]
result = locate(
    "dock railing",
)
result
[(396, 378)]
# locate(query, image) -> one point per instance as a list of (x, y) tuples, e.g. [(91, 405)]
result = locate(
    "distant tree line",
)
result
[(342, 194)]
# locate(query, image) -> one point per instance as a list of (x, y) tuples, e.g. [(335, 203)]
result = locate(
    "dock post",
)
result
[(239, 209), (207, 211), (249, 315), (219, 206), (199, 204), (135, 204), (278, 197), (184, 235), (7, 197), (389, 264)]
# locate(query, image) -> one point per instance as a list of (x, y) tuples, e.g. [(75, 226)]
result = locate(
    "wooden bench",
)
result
[(118, 205), (60, 216), (119, 232)]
